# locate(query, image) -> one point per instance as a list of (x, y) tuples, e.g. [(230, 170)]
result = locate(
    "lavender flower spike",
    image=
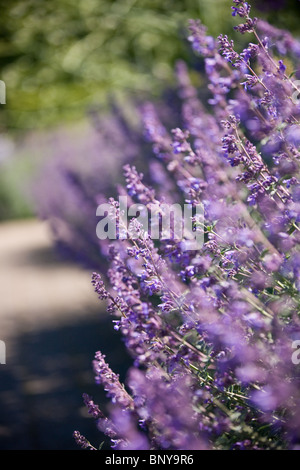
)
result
[(110, 381)]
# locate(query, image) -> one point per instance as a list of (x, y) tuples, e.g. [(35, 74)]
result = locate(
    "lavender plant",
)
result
[(212, 331), (79, 173)]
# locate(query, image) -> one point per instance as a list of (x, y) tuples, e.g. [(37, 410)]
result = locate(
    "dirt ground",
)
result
[(52, 323)]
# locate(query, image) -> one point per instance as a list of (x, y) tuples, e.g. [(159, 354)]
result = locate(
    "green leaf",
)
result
[(101, 445)]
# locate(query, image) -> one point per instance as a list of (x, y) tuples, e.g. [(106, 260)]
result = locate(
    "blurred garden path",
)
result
[(36, 288), (52, 323)]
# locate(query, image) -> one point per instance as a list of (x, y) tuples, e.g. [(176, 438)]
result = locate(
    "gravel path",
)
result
[(52, 323)]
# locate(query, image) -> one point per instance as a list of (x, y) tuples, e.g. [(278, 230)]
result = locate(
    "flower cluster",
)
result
[(211, 331), (80, 171)]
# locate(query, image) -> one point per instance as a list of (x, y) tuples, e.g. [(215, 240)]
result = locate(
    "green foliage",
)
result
[(16, 172), (58, 57)]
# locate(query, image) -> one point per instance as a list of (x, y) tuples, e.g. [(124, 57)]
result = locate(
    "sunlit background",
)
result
[(66, 65)]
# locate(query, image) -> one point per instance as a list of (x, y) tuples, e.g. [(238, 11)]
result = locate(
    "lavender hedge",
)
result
[(213, 332), (82, 170)]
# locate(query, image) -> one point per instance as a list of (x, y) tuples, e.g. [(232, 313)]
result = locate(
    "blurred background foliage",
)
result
[(59, 58)]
